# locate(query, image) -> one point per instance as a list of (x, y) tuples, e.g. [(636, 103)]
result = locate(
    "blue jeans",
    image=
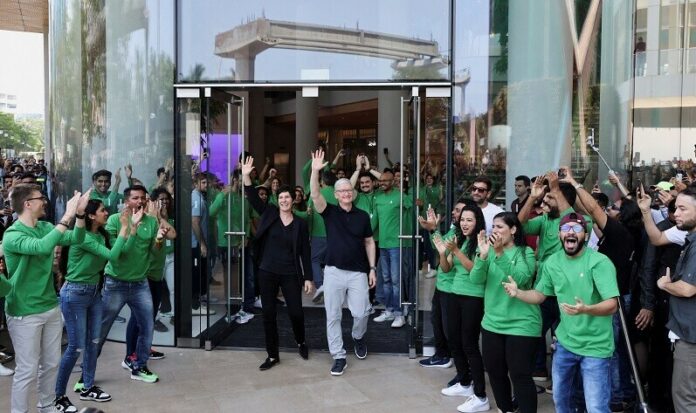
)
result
[(82, 310), (594, 373), (137, 295), (318, 260), (132, 331), (389, 263)]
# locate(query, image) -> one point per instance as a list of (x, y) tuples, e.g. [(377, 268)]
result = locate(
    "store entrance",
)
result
[(280, 127)]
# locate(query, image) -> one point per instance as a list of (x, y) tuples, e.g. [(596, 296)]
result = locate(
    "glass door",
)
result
[(422, 176), (228, 214)]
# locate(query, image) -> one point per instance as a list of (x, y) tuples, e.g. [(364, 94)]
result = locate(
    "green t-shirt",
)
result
[(169, 243), (462, 283), (432, 196), (388, 212), (316, 220), (444, 279), (547, 230), (131, 267), (366, 202), (110, 200), (592, 278), (86, 261), (503, 314), (29, 258), (5, 286), (236, 205)]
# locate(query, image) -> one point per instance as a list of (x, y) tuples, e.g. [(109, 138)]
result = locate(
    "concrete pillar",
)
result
[(389, 125), (256, 122), (244, 67), (306, 127)]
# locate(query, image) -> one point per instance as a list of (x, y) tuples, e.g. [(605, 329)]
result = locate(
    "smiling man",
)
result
[(350, 262), (101, 183), (584, 282)]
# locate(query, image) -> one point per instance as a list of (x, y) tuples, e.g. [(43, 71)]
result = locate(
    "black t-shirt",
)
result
[(618, 244), (345, 238), (278, 256)]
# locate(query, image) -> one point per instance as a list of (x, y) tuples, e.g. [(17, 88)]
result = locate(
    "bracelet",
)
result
[(63, 224), (80, 216)]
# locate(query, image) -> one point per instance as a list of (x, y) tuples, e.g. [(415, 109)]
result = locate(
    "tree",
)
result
[(20, 136)]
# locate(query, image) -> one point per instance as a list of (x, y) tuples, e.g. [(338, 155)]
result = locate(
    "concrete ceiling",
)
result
[(24, 15)]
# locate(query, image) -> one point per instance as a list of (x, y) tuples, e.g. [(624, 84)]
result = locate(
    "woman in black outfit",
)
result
[(284, 260)]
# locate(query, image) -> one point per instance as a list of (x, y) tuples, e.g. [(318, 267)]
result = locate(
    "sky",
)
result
[(22, 69)]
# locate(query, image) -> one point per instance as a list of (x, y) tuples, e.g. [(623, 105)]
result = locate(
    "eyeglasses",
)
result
[(43, 198), (478, 189), (574, 227)]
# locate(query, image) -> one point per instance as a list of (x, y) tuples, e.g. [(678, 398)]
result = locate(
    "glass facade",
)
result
[(111, 96), (526, 82)]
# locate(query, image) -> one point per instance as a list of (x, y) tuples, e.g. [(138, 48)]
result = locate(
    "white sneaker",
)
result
[(458, 390), (385, 316), (399, 321), (257, 303), (202, 310), (474, 404), (242, 317), (5, 371)]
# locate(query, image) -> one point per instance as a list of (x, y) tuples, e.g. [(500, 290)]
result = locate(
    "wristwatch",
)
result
[(374, 268)]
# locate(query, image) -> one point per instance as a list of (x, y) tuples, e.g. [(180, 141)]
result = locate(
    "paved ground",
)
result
[(229, 381)]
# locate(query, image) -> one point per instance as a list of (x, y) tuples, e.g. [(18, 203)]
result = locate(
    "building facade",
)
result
[(457, 88)]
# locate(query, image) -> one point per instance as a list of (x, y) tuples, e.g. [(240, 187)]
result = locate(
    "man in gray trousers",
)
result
[(350, 257)]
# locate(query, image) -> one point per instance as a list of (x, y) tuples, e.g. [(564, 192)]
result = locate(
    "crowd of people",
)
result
[(557, 271)]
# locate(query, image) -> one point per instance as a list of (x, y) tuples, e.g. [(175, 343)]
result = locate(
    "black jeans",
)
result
[(292, 292), (464, 315), (509, 357), (199, 274), (438, 318)]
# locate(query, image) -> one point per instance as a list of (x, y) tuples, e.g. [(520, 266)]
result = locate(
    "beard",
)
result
[(554, 213), (573, 250), (687, 226)]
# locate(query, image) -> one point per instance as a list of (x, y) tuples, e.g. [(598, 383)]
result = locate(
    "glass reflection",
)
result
[(112, 73), (313, 40)]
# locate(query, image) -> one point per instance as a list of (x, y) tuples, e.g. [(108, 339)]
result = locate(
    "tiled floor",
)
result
[(229, 381)]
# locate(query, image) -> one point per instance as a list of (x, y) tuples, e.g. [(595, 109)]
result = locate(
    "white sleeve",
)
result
[(675, 236), (657, 215)]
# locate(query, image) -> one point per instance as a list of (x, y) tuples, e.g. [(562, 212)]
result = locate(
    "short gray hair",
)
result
[(341, 182)]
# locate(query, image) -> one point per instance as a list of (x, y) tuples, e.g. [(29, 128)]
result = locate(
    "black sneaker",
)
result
[(142, 373), (339, 367), (95, 394), (156, 355), (360, 348), (127, 363), (303, 350), (268, 363), (63, 404), (160, 327)]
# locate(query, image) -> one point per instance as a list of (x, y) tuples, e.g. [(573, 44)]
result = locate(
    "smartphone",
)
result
[(679, 177), (386, 150), (561, 173)]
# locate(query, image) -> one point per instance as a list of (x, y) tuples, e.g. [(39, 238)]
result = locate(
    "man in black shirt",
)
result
[(522, 184), (350, 255)]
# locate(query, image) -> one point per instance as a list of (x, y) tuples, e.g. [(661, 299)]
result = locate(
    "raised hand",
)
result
[(497, 244), (538, 188), (71, 206), (552, 177), (137, 216), (439, 244), (318, 160), (82, 202), (129, 170), (451, 244), (644, 200), (226, 189), (247, 166), (366, 162), (511, 287), (483, 244), (125, 217)]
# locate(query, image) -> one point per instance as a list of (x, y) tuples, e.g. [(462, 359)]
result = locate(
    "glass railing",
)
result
[(670, 61), (640, 64)]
